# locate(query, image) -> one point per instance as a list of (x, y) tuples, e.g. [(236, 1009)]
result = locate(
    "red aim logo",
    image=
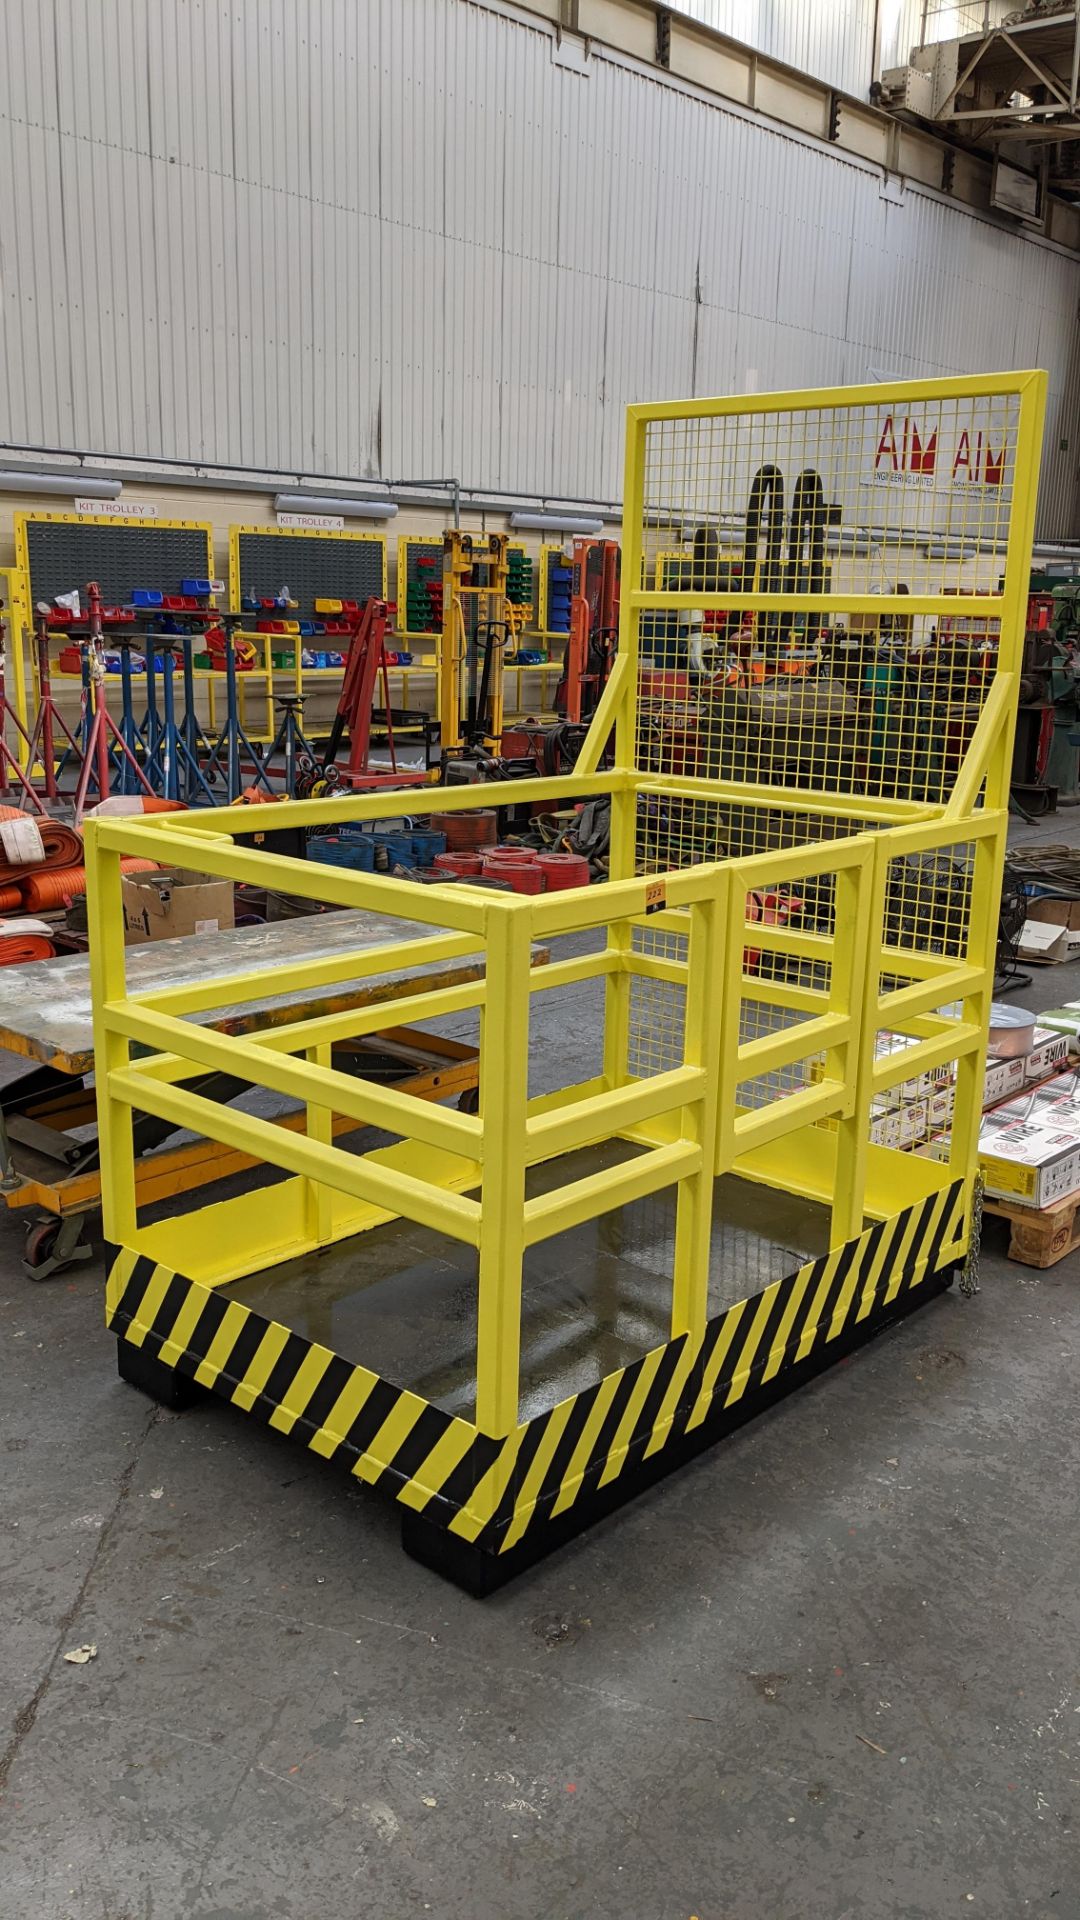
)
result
[(912, 454), (905, 447)]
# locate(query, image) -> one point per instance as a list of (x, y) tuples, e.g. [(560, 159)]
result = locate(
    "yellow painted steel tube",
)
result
[(604, 1115), (580, 1200), (361, 1100), (228, 990), (309, 880), (382, 804), (399, 1193)]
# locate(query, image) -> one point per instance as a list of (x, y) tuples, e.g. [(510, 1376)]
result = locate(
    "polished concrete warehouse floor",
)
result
[(830, 1671)]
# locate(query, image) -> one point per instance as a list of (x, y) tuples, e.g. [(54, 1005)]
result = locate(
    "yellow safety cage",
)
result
[(806, 756)]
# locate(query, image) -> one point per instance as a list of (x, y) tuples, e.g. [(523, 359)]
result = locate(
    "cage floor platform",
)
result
[(608, 1401)]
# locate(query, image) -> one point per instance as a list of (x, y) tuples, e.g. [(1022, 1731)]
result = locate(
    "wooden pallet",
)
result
[(1040, 1236)]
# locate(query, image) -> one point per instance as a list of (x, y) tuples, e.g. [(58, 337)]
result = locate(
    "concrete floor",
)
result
[(831, 1671)]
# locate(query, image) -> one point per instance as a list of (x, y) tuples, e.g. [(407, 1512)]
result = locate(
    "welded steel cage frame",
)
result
[(681, 916)]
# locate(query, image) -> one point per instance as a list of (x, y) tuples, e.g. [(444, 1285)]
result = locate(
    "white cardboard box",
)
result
[(1003, 1078), (1044, 941), (885, 1130), (1049, 1054), (1029, 1146)]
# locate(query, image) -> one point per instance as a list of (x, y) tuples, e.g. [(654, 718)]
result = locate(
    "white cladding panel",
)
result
[(400, 240)]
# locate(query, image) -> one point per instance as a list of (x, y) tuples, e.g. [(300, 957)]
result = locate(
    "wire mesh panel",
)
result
[(755, 666)]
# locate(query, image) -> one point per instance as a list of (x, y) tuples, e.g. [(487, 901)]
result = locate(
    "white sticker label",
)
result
[(118, 509), (313, 522), (207, 926)]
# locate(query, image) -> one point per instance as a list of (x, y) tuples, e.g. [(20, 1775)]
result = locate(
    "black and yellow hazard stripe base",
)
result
[(479, 1509), (481, 1572)]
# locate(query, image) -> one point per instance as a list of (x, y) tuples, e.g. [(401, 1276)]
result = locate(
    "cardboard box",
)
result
[(913, 1122), (1051, 932), (168, 905), (1003, 1078), (1029, 1147), (1049, 1054), (885, 1130)]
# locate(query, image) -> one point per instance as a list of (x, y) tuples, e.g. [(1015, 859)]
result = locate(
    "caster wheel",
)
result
[(469, 1101), (52, 1245)]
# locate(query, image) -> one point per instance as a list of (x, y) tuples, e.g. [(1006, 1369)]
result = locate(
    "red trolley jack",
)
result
[(365, 664)]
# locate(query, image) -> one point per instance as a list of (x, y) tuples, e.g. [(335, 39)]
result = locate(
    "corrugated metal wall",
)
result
[(831, 39), (398, 238)]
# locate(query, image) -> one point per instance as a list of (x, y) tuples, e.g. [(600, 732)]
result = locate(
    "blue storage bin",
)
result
[(199, 588), (146, 597)]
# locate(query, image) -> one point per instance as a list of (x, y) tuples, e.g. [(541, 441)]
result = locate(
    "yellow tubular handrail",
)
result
[(994, 717)]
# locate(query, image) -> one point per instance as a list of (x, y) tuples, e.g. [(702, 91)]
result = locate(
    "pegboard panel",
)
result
[(61, 551), (520, 576), (342, 566), (554, 593), (419, 585)]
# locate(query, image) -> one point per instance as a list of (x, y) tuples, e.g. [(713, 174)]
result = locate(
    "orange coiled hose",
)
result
[(10, 899), (17, 948), (45, 890), (63, 848)]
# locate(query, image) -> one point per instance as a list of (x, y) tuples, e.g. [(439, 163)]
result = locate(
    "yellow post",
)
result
[(622, 859), (729, 993), (116, 1147), (320, 1126), (504, 1093), (989, 854), (693, 1219), (853, 989)]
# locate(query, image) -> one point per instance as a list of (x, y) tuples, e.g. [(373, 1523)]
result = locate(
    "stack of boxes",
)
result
[(560, 581), (519, 578), (1029, 1147), (916, 1113), (424, 591)]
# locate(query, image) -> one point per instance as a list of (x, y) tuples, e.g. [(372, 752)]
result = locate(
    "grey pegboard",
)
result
[(312, 565), (63, 552)]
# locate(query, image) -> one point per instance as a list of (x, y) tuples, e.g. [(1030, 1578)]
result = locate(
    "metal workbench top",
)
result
[(45, 1007)]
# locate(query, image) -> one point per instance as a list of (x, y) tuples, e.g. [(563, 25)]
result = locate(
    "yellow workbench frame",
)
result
[(486, 1493), (16, 616)]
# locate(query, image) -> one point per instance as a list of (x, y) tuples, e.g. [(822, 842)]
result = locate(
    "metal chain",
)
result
[(969, 1272)]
